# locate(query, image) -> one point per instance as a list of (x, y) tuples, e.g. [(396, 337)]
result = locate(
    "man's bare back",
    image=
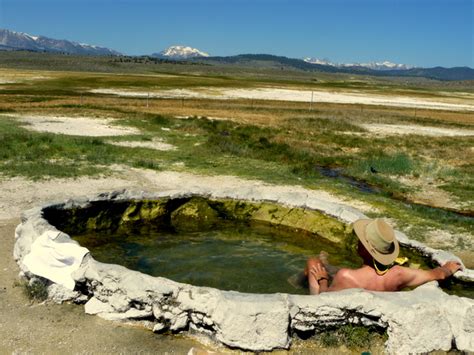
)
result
[(366, 277), (369, 277)]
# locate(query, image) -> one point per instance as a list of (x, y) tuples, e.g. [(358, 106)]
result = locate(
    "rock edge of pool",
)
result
[(423, 320)]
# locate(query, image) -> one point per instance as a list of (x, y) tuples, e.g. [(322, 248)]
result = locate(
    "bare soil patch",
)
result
[(394, 129), (76, 126), (156, 144), (429, 194), (280, 94)]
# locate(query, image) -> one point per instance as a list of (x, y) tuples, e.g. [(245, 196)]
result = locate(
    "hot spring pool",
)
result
[(257, 246), (239, 257), (227, 245)]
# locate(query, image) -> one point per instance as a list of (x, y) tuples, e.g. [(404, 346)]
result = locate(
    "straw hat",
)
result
[(378, 238)]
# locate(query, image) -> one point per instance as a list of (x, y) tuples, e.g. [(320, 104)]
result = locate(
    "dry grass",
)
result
[(68, 93), (260, 112)]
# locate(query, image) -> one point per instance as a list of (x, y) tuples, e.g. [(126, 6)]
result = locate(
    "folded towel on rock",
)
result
[(55, 258)]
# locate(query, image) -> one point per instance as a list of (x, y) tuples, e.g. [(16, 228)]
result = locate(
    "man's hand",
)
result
[(319, 272)]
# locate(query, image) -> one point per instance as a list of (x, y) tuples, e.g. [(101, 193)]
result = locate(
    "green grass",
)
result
[(395, 164), (38, 155)]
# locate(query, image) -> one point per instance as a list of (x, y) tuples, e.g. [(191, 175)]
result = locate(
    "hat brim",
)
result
[(384, 259)]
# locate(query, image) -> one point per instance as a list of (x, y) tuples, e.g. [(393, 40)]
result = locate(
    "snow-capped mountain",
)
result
[(11, 40), (319, 61), (180, 52), (386, 65)]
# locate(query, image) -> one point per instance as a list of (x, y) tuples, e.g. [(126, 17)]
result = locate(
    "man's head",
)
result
[(378, 239)]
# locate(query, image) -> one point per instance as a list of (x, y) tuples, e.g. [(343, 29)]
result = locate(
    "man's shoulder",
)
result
[(398, 270), (347, 275), (345, 271), (343, 279)]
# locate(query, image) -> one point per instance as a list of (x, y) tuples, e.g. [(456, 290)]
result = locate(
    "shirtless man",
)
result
[(379, 248)]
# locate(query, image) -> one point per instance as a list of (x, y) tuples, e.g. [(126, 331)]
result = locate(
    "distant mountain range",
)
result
[(186, 53), (386, 65), (272, 61), (11, 40), (313, 64)]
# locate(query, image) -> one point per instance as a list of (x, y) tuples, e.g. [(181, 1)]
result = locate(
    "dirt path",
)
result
[(65, 329)]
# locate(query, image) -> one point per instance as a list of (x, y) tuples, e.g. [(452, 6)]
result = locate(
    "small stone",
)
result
[(95, 306), (180, 322), (158, 327)]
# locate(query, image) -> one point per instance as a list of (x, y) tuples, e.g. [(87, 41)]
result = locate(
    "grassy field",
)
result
[(323, 146)]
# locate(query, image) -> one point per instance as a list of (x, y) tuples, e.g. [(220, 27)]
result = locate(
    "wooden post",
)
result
[(311, 103), (147, 98)]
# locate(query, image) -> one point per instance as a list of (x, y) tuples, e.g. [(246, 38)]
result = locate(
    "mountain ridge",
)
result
[(12, 40), (437, 73)]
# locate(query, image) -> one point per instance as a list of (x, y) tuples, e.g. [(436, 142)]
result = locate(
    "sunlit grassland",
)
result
[(212, 147), (277, 142)]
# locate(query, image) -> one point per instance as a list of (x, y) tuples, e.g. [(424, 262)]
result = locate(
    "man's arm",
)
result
[(414, 277)]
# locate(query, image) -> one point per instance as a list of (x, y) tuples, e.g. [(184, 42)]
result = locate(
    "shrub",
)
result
[(35, 290)]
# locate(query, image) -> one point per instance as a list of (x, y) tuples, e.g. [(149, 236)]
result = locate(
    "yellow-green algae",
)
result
[(194, 213), (302, 219), (145, 211)]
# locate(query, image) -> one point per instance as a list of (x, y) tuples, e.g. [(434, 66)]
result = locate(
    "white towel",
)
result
[(55, 260)]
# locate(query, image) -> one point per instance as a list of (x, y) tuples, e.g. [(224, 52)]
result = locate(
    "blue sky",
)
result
[(417, 32)]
